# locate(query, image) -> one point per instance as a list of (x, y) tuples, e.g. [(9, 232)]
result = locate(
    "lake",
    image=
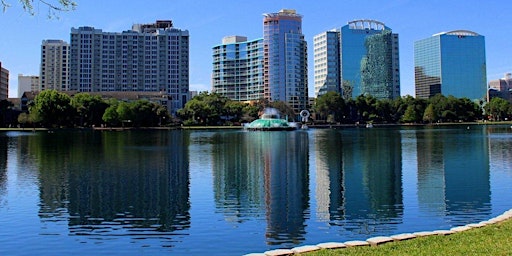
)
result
[(233, 192)]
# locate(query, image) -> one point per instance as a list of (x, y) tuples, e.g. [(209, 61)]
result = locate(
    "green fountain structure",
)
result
[(271, 120)]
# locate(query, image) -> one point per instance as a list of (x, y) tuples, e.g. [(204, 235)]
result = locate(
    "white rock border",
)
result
[(375, 241)]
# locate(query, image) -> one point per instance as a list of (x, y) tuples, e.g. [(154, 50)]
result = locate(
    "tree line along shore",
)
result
[(53, 109)]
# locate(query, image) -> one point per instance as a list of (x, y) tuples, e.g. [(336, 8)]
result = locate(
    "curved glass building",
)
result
[(360, 58), (451, 63)]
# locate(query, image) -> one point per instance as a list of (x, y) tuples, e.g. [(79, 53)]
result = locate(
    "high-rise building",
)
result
[(27, 84), (501, 88), (149, 57), (4, 83), (54, 70), (285, 59), (367, 56), (451, 63), (327, 62), (238, 68)]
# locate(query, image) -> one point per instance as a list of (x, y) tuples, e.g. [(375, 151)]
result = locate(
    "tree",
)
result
[(89, 108), (411, 115), (204, 109), (234, 110), (430, 114), (498, 108), (54, 6), (110, 116), (52, 108), (329, 106)]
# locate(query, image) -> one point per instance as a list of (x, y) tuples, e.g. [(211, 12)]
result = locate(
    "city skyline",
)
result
[(209, 22)]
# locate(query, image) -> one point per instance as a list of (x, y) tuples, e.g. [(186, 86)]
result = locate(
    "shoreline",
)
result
[(379, 240), (314, 126)]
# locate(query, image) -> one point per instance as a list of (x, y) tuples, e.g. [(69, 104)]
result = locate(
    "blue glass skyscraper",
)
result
[(360, 58), (451, 63)]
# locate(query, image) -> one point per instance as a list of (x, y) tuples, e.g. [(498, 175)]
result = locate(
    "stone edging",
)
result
[(374, 241)]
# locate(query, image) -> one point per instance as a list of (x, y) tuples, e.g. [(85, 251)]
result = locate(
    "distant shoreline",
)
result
[(317, 126)]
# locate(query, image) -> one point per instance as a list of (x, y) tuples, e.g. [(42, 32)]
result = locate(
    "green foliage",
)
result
[(430, 114), (204, 109), (498, 109), (110, 116), (54, 6), (89, 109), (140, 113), (52, 108), (330, 104)]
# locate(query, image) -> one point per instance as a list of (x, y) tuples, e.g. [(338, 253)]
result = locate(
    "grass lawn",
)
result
[(495, 239)]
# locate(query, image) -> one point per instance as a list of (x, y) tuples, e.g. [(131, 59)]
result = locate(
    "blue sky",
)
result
[(209, 21)]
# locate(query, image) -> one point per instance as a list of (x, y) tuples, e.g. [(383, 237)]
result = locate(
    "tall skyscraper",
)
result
[(54, 70), (4, 83), (367, 57), (285, 59), (27, 84), (451, 63), (327, 62), (149, 57), (238, 68)]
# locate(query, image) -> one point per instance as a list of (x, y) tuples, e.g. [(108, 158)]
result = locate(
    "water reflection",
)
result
[(264, 173), (330, 192), (372, 169), (128, 192), (453, 172), (109, 183), (3, 167)]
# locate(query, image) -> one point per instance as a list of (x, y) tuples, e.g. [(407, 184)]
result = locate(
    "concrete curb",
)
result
[(375, 241)]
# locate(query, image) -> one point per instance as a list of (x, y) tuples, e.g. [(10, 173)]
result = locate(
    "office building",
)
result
[(149, 57), (27, 84), (501, 88), (238, 69), (285, 59), (327, 62), (360, 58), (4, 83), (451, 63), (54, 70)]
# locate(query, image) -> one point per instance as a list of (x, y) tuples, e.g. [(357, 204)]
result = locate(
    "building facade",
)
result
[(149, 57), (238, 69), (451, 63), (4, 83), (54, 68), (27, 84), (361, 57), (326, 47), (501, 88), (285, 59)]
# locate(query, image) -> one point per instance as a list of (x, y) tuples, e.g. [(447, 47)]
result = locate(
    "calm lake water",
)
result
[(236, 192)]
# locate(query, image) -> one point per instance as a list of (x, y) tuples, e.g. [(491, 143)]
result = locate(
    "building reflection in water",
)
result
[(266, 173), (108, 183), (372, 178), (453, 171), (3, 165), (329, 176)]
